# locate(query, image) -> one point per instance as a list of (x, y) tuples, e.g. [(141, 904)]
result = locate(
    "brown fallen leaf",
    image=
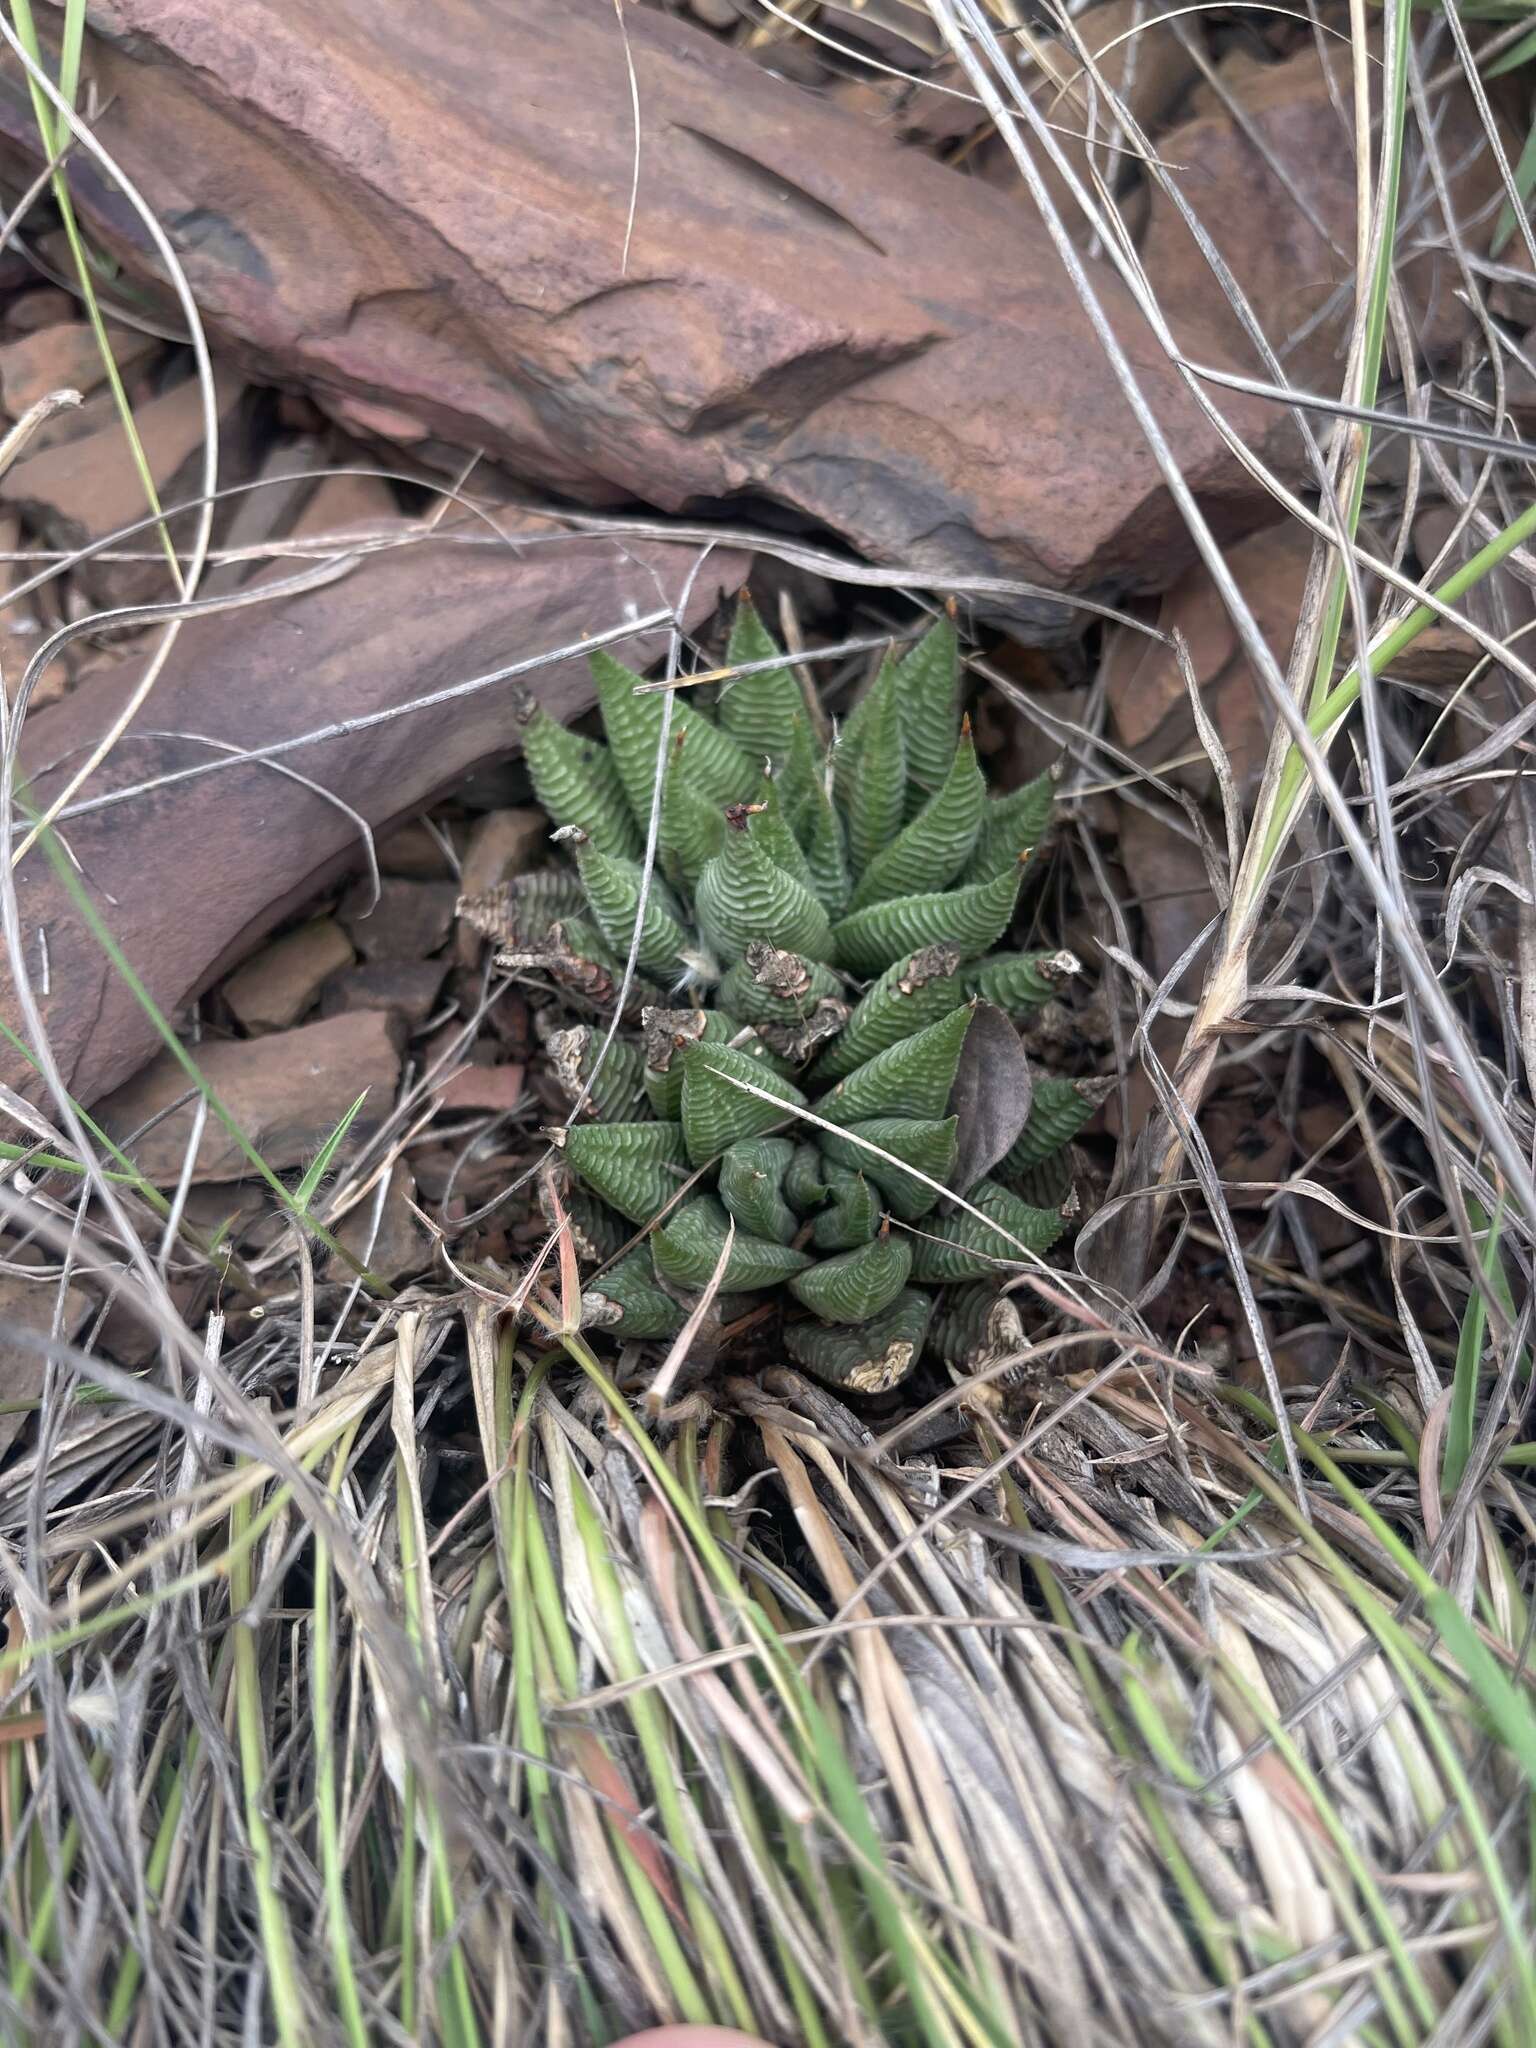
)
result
[(991, 1094)]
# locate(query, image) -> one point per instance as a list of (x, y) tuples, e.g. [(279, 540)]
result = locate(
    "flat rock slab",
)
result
[(287, 1091), (423, 215), (277, 985), (192, 874)]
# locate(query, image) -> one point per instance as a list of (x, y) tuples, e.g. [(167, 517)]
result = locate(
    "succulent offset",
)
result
[(819, 934)]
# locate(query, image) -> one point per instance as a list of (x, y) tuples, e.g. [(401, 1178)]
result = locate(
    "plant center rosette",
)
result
[(818, 1048)]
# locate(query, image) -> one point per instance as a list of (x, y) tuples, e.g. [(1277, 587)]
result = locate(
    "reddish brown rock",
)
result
[(65, 358), (89, 486), (275, 988), (390, 1239), (414, 210), (287, 1092), (46, 306), (498, 1089), (408, 987), (403, 921), (193, 874), (413, 850)]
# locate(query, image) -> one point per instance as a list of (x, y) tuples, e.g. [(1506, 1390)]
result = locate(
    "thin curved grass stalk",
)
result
[(804, 1131)]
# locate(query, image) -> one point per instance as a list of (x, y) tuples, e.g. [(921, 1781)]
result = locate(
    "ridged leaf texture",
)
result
[(961, 1247), (770, 829), (619, 899), (1012, 825), (877, 801), (688, 1245), (759, 711), (719, 1105), (932, 850), (1021, 981), (634, 719), (870, 1357), (912, 1078), (635, 1168), (928, 1146), (663, 1035), (852, 1217), (743, 896), (576, 781), (1057, 1113), (927, 682), (911, 994), (692, 827), (973, 919), (771, 986), (975, 1325), (613, 1078), (858, 1284), (752, 1187), (627, 1300)]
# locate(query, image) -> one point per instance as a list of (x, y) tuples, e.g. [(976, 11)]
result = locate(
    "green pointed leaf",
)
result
[(1046, 1185), (319, 1166), (911, 1079), (1011, 825), (1059, 1111), (1021, 981), (853, 1218), (973, 919), (627, 1300), (717, 768), (805, 1184), (692, 828), (617, 1091), (962, 1248), (802, 778), (576, 781), (928, 1146), (743, 896), (932, 850), (913, 993), (759, 711), (752, 1187), (687, 1249), (877, 802), (858, 1284), (634, 1168), (844, 758), (617, 899), (826, 853), (927, 683), (718, 1105), (769, 829), (868, 1358)]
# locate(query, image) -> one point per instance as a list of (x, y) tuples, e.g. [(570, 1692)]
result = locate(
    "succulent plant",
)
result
[(816, 1051)]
